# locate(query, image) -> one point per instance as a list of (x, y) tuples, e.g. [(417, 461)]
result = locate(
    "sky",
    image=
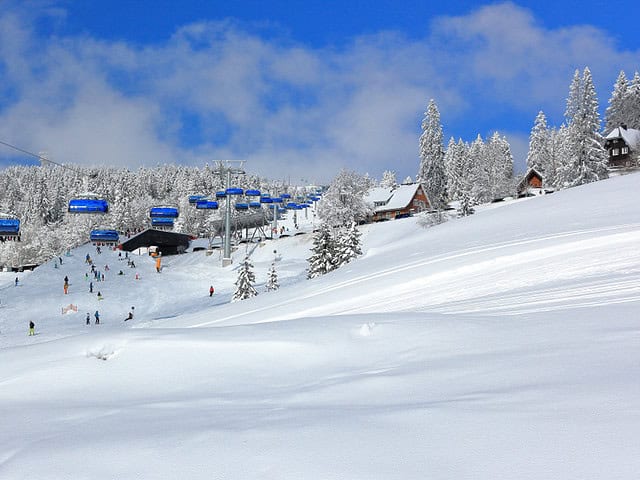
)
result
[(298, 90)]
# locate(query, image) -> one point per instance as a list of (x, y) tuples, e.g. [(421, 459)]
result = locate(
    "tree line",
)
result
[(39, 197)]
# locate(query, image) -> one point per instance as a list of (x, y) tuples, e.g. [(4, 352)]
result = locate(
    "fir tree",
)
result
[(616, 114), (245, 281), (389, 179), (587, 159), (499, 167), (539, 145), (454, 166), (431, 173), (475, 174), (348, 245), (631, 109), (272, 279), (322, 259)]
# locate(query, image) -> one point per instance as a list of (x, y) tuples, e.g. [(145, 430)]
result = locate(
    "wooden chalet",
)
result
[(623, 146), (399, 202), (531, 184)]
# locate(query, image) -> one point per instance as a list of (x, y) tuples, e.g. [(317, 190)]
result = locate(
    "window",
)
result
[(615, 152), (624, 150)]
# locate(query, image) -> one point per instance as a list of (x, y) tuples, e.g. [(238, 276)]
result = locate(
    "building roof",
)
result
[(530, 174), (378, 194), (167, 242), (631, 136), (395, 199)]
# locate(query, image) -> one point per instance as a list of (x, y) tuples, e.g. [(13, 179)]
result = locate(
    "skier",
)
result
[(88, 319), (211, 291), (97, 315), (66, 288), (32, 328), (66, 280), (130, 316), (16, 281), (99, 296), (90, 287)]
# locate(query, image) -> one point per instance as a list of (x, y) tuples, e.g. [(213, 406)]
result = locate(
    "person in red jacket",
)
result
[(211, 291)]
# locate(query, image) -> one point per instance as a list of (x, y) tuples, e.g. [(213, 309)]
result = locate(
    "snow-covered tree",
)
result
[(475, 175), (616, 114), (348, 245), (587, 159), (539, 145), (408, 180), (631, 112), (499, 167), (431, 173), (454, 162), (272, 279), (323, 252), (245, 281), (343, 202), (389, 179)]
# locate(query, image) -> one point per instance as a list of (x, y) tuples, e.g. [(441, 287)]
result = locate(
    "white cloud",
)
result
[(287, 108)]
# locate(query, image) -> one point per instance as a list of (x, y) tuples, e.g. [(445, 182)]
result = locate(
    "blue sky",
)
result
[(297, 89)]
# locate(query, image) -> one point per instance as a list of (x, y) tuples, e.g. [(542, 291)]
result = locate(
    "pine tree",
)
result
[(574, 100), (272, 279), (348, 245), (454, 166), (539, 145), (557, 151), (499, 167), (587, 158), (322, 259), (431, 173), (476, 176), (631, 109), (389, 179), (245, 281), (616, 114), (466, 187)]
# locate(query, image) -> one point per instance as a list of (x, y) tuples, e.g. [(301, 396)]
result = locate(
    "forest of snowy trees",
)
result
[(470, 173), (39, 197), (571, 155)]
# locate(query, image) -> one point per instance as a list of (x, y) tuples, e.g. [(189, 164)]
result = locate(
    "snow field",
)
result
[(503, 345)]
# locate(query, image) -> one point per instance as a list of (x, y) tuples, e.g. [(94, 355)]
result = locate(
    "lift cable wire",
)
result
[(39, 157)]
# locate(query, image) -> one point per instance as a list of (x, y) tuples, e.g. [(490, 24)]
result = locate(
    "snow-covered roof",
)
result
[(530, 173), (631, 136), (378, 194), (394, 199)]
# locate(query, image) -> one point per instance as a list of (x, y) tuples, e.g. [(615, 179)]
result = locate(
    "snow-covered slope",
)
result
[(503, 345)]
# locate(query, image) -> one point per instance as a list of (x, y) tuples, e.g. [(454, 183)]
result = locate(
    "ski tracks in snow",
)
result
[(590, 267)]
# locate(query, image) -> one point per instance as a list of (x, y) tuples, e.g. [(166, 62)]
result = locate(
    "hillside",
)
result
[(503, 345)]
